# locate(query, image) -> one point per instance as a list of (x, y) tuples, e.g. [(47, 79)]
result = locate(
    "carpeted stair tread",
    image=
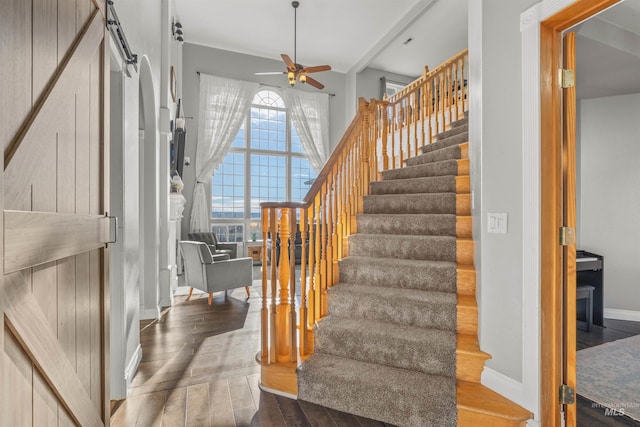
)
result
[(460, 122), (430, 351), (439, 276), (454, 130), (425, 309), (457, 139), (417, 203), (431, 184), (434, 248), (446, 167), (412, 224), (454, 151), (392, 395)]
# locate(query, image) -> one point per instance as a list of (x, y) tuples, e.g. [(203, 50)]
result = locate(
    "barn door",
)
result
[(53, 286)]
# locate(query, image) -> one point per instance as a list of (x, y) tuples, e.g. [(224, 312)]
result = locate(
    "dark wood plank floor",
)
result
[(590, 414), (198, 369)]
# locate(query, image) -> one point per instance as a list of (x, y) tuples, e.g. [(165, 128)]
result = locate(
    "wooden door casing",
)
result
[(54, 288)]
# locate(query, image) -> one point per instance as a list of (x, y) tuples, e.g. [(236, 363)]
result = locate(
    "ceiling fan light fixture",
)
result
[(302, 78)]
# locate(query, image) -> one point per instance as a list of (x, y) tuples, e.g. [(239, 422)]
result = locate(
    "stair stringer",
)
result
[(476, 404)]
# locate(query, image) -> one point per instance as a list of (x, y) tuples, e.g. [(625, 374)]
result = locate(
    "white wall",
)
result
[(146, 26), (498, 150), (368, 82), (610, 193)]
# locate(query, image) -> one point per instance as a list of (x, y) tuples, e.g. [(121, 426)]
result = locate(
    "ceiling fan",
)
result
[(296, 72)]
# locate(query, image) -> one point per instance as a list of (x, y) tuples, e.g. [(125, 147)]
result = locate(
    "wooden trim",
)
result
[(29, 141), (551, 208), (23, 316), (34, 238), (105, 260)]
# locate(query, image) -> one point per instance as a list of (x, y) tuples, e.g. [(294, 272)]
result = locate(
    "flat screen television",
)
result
[(177, 151)]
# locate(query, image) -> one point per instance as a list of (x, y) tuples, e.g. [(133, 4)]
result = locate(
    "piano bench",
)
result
[(586, 292)]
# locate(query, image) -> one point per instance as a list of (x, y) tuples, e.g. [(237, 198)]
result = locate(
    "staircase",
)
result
[(399, 343)]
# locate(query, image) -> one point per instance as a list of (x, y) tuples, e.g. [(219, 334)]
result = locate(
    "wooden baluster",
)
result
[(318, 254), (264, 352), (443, 116), (282, 311), (273, 230), (293, 327), (323, 242), (338, 200), (385, 136), (449, 71), (392, 119), (331, 224), (304, 302), (416, 111), (456, 85), (465, 105), (311, 297)]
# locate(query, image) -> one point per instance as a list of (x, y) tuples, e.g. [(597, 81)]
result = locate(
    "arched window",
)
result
[(266, 162)]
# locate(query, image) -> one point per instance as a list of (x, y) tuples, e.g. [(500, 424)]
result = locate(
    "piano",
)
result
[(589, 271)]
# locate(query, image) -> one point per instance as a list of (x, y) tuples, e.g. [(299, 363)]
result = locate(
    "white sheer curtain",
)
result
[(310, 115), (224, 104)]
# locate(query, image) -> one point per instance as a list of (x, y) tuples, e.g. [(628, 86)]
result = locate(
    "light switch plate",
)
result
[(497, 222)]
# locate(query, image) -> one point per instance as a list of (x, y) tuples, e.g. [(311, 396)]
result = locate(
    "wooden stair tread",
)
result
[(469, 344), (482, 400)]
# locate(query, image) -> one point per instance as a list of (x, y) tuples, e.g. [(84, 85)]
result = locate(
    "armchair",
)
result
[(216, 247), (211, 273)]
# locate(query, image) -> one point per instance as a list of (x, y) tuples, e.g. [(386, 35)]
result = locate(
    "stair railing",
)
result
[(315, 233)]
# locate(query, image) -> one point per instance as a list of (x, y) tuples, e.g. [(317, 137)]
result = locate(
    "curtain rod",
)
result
[(276, 86)]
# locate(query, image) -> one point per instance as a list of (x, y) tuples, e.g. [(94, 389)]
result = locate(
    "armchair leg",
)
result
[(210, 297), (246, 288), (190, 292)]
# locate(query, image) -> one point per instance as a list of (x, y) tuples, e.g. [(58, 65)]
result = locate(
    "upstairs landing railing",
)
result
[(383, 134)]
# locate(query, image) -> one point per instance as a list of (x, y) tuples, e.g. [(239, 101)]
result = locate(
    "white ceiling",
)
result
[(346, 34), (608, 52), (350, 35)]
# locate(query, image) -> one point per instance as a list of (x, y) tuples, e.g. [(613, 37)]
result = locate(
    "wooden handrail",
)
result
[(314, 233)]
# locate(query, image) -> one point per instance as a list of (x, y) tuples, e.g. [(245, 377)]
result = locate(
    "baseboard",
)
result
[(617, 314), (504, 385), (166, 302), (132, 367), (150, 313)]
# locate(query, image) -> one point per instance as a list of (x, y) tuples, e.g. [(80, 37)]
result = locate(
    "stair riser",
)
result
[(466, 283), (412, 204), (399, 311), (455, 130), (467, 320), (449, 167), (441, 277), (433, 248), (414, 225), (458, 152), (453, 140), (431, 357), (464, 227), (469, 366), (439, 184)]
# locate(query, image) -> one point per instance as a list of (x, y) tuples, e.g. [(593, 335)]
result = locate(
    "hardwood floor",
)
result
[(198, 368), (589, 414)]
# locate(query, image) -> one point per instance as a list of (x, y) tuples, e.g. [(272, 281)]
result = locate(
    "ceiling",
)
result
[(608, 52), (350, 35), (346, 34)]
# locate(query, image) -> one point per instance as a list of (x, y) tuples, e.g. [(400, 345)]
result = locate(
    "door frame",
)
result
[(551, 197)]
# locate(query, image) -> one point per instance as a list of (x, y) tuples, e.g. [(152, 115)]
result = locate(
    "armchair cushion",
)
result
[(216, 247)]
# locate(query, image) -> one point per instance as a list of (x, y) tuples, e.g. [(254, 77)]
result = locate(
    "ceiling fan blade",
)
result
[(315, 83), (316, 69), (270, 73), (288, 61)]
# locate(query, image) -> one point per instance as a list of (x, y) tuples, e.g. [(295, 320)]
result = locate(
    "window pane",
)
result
[(263, 121), (227, 188), (228, 233), (268, 180), (239, 139), (269, 98), (302, 176)]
